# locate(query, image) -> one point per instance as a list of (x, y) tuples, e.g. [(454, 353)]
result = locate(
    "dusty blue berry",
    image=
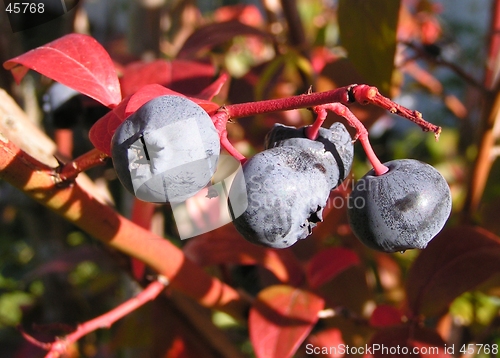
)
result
[(401, 209), (287, 188), (335, 140), (166, 151)]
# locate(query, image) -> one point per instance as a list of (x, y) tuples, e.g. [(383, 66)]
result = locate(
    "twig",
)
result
[(362, 94), (366, 94), (68, 172), (442, 62), (59, 346)]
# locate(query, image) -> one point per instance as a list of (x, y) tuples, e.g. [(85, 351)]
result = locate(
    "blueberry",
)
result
[(335, 140), (166, 151), (287, 188), (401, 209), (317, 149)]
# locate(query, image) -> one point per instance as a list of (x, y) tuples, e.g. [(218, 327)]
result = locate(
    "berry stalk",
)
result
[(287, 104), (361, 132), (363, 94), (334, 100)]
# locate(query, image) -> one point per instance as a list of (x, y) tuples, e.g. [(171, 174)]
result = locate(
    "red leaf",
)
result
[(280, 319), (139, 74), (225, 246), (328, 343), (328, 263), (102, 131), (455, 261), (247, 14), (75, 60), (188, 77), (191, 77), (213, 89), (406, 341), (215, 34), (149, 92), (384, 315)]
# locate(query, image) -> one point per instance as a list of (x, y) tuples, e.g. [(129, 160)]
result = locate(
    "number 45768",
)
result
[(477, 348), (25, 7)]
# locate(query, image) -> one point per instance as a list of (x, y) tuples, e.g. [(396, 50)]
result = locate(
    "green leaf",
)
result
[(368, 33), (11, 304)]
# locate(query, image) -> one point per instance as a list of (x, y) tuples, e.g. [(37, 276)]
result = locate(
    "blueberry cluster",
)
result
[(168, 150), (288, 184)]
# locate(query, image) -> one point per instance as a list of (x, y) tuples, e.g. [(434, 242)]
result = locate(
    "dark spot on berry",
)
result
[(320, 167), (407, 203)]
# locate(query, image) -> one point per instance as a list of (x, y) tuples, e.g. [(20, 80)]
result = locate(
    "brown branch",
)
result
[(68, 172), (104, 223), (484, 159), (491, 112), (421, 53)]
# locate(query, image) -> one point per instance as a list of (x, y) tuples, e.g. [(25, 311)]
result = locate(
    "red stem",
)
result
[(220, 119), (334, 100), (69, 171), (361, 132), (142, 215), (286, 104), (59, 347), (494, 45), (365, 94), (362, 94)]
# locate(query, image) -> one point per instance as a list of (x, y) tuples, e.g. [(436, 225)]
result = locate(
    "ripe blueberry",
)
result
[(287, 188), (335, 140), (401, 209), (166, 151)]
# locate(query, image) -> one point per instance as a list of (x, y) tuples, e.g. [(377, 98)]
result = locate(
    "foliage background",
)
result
[(53, 275)]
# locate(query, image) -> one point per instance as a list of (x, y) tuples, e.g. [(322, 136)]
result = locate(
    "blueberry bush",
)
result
[(289, 179)]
